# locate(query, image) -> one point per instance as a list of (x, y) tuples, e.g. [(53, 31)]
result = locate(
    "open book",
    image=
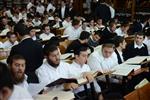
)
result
[(66, 56), (142, 83), (79, 81), (136, 60), (125, 69), (56, 95)]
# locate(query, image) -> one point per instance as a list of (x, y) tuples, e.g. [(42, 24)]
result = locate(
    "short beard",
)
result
[(52, 64), (16, 79)]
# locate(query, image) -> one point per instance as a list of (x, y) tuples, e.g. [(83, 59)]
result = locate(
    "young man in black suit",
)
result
[(64, 10), (31, 50), (136, 48)]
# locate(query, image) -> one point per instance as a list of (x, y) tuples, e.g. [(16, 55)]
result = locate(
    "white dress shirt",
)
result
[(63, 11), (1, 45), (72, 33), (8, 45), (97, 62), (120, 54), (112, 11), (66, 24), (45, 36), (77, 72), (47, 74), (40, 9), (36, 23), (119, 32), (147, 42), (138, 46), (24, 84), (20, 93), (29, 5), (50, 6), (15, 19)]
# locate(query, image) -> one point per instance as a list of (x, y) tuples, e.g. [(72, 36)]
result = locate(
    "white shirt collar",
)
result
[(77, 65), (51, 67), (137, 46)]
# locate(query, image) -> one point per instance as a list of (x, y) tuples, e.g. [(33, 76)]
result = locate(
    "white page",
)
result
[(122, 70), (136, 60)]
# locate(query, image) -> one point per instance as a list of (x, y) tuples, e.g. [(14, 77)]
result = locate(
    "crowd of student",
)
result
[(28, 61)]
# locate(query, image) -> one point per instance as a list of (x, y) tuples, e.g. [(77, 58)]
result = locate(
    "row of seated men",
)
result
[(26, 64)]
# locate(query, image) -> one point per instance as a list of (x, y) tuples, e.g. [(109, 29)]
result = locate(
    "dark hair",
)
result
[(147, 33), (112, 22), (45, 25), (84, 35), (49, 48), (63, 1), (31, 28), (75, 22), (98, 32), (54, 41), (109, 45), (117, 40), (125, 24), (15, 57), (9, 34), (77, 51), (140, 34), (21, 29), (11, 23), (5, 77)]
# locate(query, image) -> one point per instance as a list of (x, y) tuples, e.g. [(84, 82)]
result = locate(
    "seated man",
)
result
[(74, 30), (94, 39), (136, 48), (79, 68), (83, 39), (104, 60), (147, 40), (9, 91), (53, 69), (46, 35), (32, 33), (17, 68), (108, 32), (122, 31), (12, 40), (120, 45)]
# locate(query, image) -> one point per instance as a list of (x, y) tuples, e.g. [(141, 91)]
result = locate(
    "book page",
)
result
[(136, 60), (122, 70), (142, 83)]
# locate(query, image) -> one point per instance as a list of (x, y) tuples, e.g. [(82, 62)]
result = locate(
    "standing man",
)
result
[(30, 50)]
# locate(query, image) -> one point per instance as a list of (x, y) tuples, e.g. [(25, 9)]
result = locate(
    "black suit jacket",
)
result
[(103, 11), (130, 51), (118, 57), (107, 36), (32, 52), (65, 14)]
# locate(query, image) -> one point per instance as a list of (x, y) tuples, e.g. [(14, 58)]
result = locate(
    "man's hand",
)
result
[(88, 76), (70, 86)]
